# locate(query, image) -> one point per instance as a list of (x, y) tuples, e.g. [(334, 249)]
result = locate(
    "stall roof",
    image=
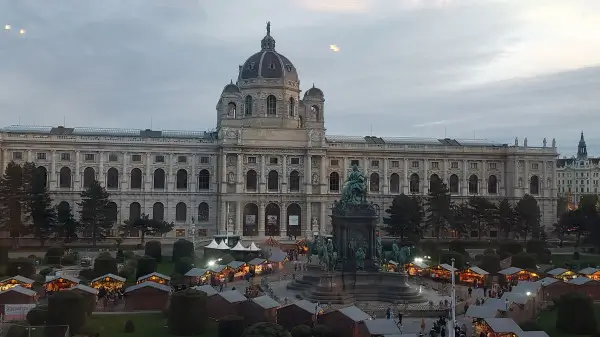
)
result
[(547, 281), (277, 256), (253, 247), (525, 286), (482, 311), (239, 248), (112, 276), (235, 264), (85, 288), (447, 267), (212, 245), (381, 326), (217, 268), (510, 271), (580, 280), (515, 298), (256, 261), (162, 276), (207, 289), (354, 313), (233, 296), (495, 303), (64, 277), (223, 246), (21, 290), (266, 302), (148, 284), (478, 271), (420, 264), (19, 278), (503, 325), (307, 306), (557, 271), (196, 272), (588, 271)]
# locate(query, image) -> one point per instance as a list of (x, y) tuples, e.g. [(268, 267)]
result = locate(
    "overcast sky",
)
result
[(495, 69)]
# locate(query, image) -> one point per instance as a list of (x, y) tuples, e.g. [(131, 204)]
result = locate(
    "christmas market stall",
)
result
[(226, 303), (239, 251), (553, 289), (259, 309), (276, 259), (61, 282), (16, 281), (256, 266), (514, 274), (562, 274), (303, 246), (110, 282), (593, 273), (498, 327), (343, 320), (149, 295), (473, 275), (416, 268), (89, 294), (442, 272), (196, 276), (208, 290), (236, 270), (586, 286), (272, 242), (18, 295), (378, 327), (154, 277), (223, 247), (390, 266), (301, 312)]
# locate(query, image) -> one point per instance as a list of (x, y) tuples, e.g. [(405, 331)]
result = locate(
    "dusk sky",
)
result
[(493, 69)]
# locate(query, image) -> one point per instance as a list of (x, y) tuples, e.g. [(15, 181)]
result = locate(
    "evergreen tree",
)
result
[(507, 218), (68, 226), (147, 226), (529, 215), (400, 221), (41, 213), (484, 214), (95, 212), (438, 207), (12, 201), (461, 218)]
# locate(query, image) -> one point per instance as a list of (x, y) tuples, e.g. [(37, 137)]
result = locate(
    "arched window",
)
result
[(534, 185), (231, 110), (248, 105), (414, 183), (89, 175), (181, 212), (395, 183), (250, 227), (112, 178), (492, 185), (453, 184), (273, 181), (251, 180), (374, 182), (473, 184), (294, 220), (181, 178), (271, 105), (434, 181), (64, 180), (159, 179), (112, 211), (158, 211), (136, 178), (294, 181), (314, 111), (204, 180), (43, 174), (272, 220), (203, 212), (135, 211), (292, 107), (334, 182)]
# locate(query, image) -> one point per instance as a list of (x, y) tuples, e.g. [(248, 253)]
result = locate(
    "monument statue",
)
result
[(395, 253), (379, 249), (404, 255), (330, 258), (360, 259)]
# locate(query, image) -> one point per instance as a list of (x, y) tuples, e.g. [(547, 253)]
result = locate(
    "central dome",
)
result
[(267, 63)]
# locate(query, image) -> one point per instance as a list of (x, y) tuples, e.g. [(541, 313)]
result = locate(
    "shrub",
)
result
[(105, 264), (544, 257), (4, 255), (146, 265), (66, 308), (301, 331), (187, 313), (512, 247), (231, 326), (429, 248), (576, 256), (266, 329), (120, 256), (321, 331), (87, 274), (489, 251), (46, 271), (490, 263), (457, 246), (21, 266), (182, 248), (129, 327), (154, 249), (459, 259), (227, 258), (535, 246), (38, 316), (530, 326), (127, 272), (183, 265), (575, 314), (69, 260), (478, 257), (54, 255), (504, 255), (524, 261), (128, 255)]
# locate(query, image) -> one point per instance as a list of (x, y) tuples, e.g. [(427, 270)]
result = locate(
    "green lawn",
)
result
[(547, 321), (585, 260)]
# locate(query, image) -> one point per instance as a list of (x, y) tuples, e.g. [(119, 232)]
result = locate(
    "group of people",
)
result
[(110, 298)]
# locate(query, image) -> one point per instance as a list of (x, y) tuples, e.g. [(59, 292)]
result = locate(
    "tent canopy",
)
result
[(223, 246), (213, 245), (253, 247), (239, 248)]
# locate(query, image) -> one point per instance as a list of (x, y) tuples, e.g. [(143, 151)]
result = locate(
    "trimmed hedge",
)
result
[(524, 261), (105, 264), (183, 265), (65, 308), (154, 249), (21, 266), (575, 314), (490, 263), (182, 248), (231, 326), (266, 329), (54, 255), (187, 313), (4, 255), (301, 331), (120, 256), (146, 265), (512, 247), (38, 316)]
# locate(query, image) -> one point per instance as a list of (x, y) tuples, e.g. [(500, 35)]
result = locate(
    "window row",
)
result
[(376, 163), (272, 220), (272, 181), (65, 179), (112, 157)]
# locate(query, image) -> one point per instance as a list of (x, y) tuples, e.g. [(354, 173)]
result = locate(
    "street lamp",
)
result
[(453, 301)]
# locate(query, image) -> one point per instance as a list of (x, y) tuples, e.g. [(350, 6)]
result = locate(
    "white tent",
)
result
[(239, 248), (253, 247), (212, 245), (223, 246)]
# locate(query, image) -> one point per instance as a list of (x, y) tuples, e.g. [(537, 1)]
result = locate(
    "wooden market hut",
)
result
[(16, 281), (378, 327), (259, 309), (147, 295), (473, 275), (208, 290), (61, 282), (498, 327), (416, 268), (297, 313), (590, 272), (479, 312), (196, 276), (553, 289), (216, 272), (514, 274), (89, 294), (277, 259), (236, 270), (154, 277), (345, 321), (226, 303), (562, 274), (256, 265), (17, 295), (442, 272), (110, 282), (586, 286)]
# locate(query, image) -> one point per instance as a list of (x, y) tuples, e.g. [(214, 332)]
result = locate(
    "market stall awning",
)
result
[(547, 281), (253, 247), (277, 256), (580, 280), (67, 278), (223, 246), (239, 248), (85, 288), (150, 285), (232, 296), (217, 268), (196, 272), (18, 278), (20, 290), (557, 271), (477, 271), (447, 267), (418, 264), (207, 289), (503, 325), (510, 271), (256, 262), (235, 264), (588, 271), (483, 312), (212, 245), (517, 298), (109, 276), (159, 275)]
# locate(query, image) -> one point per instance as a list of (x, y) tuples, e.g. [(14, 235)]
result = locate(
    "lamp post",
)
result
[(453, 302)]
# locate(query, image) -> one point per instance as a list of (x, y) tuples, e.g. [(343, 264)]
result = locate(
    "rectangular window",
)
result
[(41, 155), (435, 165), (415, 163), (334, 162), (534, 166), (136, 158), (374, 163), (65, 156), (204, 160), (295, 161), (354, 162), (113, 157), (251, 160), (182, 159), (474, 166), (395, 163), (273, 160), (492, 166), (454, 165), (17, 155), (89, 157), (159, 159)]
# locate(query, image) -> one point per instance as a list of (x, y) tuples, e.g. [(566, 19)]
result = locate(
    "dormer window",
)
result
[(252, 64), (272, 66), (288, 67)]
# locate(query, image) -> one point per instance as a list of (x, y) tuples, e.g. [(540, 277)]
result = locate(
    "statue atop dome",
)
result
[(269, 28)]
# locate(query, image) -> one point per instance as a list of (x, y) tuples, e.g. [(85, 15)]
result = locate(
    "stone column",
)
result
[(262, 178), (284, 175), (464, 183), (484, 179), (29, 155), (308, 217), (223, 168), (426, 176), (323, 222), (102, 174), (502, 180), (148, 180), (283, 222), (126, 173), (238, 219), (77, 182), (543, 182), (194, 180), (261, 218), (53, 175), (386, 178), (444, 176), (323, 174), (345, 170), (223, 218), (526, 178), (170, 176), (239, 187), (405, 187), (308, 174)]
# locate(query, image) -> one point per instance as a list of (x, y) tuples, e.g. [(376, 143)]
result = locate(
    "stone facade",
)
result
[(578, 175), (270, 166)]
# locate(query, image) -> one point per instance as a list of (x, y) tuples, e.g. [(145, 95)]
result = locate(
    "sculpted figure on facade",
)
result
[(315, 223), (315, 179), (544, 142), (520, 181), (516, 141), (553, 142), (525, 142), (231, 178)]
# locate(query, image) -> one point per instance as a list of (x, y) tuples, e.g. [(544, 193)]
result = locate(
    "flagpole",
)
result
[(453, 303)]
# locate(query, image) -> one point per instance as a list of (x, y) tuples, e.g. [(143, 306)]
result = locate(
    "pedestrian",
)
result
[(221, 287), (388, 313), (470, 291), (399, 318), (422, 324)]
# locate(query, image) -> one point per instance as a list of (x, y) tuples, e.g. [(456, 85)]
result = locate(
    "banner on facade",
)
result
[(250, 220), (272, 220), (294, 220), (17, 312)]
